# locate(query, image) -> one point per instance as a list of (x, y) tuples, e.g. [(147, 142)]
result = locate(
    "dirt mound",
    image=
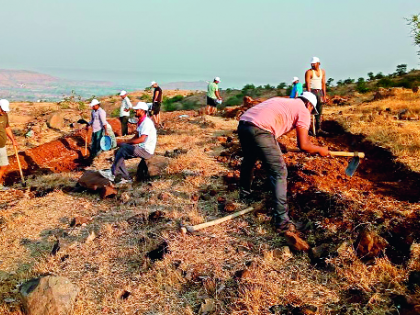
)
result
[(383, 93), (238, 111)]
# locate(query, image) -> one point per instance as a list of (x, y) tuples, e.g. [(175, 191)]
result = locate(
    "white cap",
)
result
[(94, 102), (4, 104), (153, 83), (141, 105), (217, 79), (122, 93), (309, 96), (295, 79), (315, 60)]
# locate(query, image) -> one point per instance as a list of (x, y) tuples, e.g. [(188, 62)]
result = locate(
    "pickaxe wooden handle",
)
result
[(194, 228), (335, 153)]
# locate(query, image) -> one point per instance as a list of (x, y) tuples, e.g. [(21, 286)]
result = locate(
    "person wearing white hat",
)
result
[(99, 127), (297, 88), (5, 132), (315, 79), (142, 145), (124, 112), (259, 129), (157, 103), (213, 96)]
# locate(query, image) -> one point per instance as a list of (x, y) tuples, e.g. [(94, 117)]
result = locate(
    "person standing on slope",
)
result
[(124, 112), (258, 130), (99, 127), (157, 103), (315, 79), (213, 96), (5, 132), (297, 88), (142, 145)]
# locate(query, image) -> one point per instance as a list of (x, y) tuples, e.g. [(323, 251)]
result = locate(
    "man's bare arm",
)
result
[(308, 78), (9, 134), (137, 140), (218, 95), (324, 85), (305, 144)]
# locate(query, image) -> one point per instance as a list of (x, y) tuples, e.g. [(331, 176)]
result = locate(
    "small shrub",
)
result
[(234, 100), (146, 98), (81, 105), (361, 87), (115, 112)]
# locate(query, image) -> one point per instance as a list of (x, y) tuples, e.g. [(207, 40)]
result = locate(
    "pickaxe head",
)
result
[(353, 165)]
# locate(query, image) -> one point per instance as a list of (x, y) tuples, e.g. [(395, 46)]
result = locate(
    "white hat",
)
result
[(94, 102), (295, 79), (217, 79), (141, 105), (311, 98), (122, 93), (4, 104), (315, 60), (153, 83)]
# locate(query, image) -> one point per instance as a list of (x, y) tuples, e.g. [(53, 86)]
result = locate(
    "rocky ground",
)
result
[(127, 256)]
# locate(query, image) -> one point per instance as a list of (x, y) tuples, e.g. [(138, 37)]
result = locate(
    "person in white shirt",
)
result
[(125, 112), (142, 145)]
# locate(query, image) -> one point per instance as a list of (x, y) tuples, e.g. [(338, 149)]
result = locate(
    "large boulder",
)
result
[(93, 180), (116, 127), (56, 120), (50, 295), (152, 167)]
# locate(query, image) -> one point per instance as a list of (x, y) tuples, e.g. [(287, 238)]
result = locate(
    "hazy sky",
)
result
[(242, 41)]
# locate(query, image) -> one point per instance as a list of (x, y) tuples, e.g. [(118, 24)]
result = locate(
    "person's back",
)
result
[(278, 115), (297, 90), (211, 90)]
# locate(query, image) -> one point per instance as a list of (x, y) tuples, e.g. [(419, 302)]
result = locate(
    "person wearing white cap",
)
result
[(315, 80), (259, 129), (99, 127), (142, 145), (124, 112), (297, 88), (157, 102), (213, 96), (5, 132)]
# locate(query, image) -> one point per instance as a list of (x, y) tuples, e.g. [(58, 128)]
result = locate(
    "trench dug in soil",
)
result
[(334, 207)]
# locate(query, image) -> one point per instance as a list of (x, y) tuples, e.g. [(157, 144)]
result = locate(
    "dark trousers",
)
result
[(318, 119), (126, 152), (260, 144), (96, 143), (124, 125)]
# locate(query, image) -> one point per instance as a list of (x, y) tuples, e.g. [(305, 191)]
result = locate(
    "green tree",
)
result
[(414, 23), (329, 82), (401, 70), (269, 87), (348, 81), (248, 87), (359, 80), (371, 76), (281, 86), (379, 76)]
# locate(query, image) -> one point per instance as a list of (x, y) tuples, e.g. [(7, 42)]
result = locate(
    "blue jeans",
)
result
[(260, 144), (125, 152), (95, 148)]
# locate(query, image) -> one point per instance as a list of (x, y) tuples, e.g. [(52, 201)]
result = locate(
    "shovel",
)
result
[(20, 166), (353, 164)]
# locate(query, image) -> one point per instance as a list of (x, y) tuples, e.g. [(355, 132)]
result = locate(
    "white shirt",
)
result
[(147, 127), (125, 104)]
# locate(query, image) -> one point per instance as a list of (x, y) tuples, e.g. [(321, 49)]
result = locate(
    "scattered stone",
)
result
[(222, 139), (56, 120), (152, 167), (175, 153), (50, 295), (125, 197), (195, 197), (213, 192), (55, 248), (159, 252), (123, 295), (369, 244), (164, 196), (295, 242), (207, 307), (356, 295), (243, 273), (205, 197), (293, 310), (137, 219), (283, 253), (230, 207), (156, 216), (80, 221)]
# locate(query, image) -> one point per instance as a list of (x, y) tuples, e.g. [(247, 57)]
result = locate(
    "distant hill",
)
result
[(22, 85)]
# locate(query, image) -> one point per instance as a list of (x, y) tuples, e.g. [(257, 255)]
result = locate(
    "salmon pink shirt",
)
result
[(279, 115)]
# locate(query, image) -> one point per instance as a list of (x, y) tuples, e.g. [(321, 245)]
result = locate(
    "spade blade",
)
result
[(352, 167)]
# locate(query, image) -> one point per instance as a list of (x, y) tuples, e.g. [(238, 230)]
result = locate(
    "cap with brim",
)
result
[(315, 60), (217, 79), (152, 83), (311, 98), (5, 105), (122, 93), (94, 102), (295, 79), (141, 105)]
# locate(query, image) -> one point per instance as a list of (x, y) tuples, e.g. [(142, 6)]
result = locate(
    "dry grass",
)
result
[(197, 267)]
